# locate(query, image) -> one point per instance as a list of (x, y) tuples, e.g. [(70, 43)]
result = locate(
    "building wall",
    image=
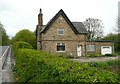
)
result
[(98, 46), (51, 38), (70, 47), (71, 40)]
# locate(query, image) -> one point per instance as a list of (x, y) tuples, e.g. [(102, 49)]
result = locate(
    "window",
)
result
[(90, 47), (61, 47), (61, 31), (106, 47)]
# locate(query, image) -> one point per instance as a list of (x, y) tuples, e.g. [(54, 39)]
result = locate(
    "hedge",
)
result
[(21, 44), (38, 66)]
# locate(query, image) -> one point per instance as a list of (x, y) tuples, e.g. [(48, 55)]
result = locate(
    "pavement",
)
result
[(95, 59), (6, 72), (2, 50)]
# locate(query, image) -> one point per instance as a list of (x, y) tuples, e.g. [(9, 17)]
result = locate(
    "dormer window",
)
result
[(60, 31)]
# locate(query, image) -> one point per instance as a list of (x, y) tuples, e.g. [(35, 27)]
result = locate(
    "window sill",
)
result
[(60, 51)]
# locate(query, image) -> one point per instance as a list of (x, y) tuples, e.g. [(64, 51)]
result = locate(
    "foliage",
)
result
[(4, 39), (115, 38), (104, 64), (27, 36), (20, 45), (107, 65), (38, 66), (93, 55), (94, 28), (99, 55)]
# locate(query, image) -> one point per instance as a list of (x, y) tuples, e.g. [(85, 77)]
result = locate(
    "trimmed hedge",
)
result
[(20, 45), (37, 66)]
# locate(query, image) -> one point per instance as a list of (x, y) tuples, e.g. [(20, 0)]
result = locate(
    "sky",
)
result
[(16, 15)]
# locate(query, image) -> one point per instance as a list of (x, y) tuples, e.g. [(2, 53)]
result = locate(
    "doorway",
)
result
[(79, 52)]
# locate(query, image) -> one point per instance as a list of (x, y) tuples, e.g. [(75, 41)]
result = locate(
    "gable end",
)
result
[(61, 12)]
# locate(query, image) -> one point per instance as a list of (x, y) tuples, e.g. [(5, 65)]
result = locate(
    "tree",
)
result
[(117, 26), (94, 28), (26, 36), (4, 39), (115, 38)]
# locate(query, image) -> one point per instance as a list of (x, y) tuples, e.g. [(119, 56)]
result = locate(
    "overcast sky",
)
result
[(16, 15)]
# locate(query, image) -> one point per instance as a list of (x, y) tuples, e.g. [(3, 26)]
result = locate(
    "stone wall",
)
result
[(98, 46), (71, 40), (70, 47)]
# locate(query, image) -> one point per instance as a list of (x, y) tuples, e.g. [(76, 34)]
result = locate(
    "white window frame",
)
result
[(60, 44), (89, 49), (60, 30)]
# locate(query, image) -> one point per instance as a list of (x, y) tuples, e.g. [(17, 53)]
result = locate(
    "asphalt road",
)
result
[(6, 74), (2, 50)]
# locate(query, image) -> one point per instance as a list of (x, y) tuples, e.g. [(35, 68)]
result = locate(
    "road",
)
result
[(2, 50), (6, 73)]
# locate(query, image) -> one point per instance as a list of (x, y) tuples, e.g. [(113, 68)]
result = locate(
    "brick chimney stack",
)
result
[(40, 20)]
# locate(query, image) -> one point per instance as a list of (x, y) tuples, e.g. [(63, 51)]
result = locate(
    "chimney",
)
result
[(40, 20)]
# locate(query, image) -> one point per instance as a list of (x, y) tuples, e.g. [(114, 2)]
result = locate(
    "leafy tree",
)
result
[(94, 28), (4, 39), (115, 38), (26, 36)]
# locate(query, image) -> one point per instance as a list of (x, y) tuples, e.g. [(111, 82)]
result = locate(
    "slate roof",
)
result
[(77, 27), (80, 27)]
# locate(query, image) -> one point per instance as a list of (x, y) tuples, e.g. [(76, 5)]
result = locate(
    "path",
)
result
[(6, 72), (95, 59)]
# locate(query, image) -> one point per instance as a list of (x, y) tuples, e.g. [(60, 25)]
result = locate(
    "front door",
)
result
[(79, 53)]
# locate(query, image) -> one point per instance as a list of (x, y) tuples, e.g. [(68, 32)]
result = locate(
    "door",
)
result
[(106, 50), (79, 53)]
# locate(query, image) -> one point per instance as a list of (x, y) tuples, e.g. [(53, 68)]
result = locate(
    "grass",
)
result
[(112, 65)]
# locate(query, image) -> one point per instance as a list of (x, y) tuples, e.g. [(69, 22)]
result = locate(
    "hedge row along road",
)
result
[(38, 66)]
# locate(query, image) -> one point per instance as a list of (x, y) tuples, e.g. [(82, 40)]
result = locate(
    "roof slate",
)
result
[(80, 27)]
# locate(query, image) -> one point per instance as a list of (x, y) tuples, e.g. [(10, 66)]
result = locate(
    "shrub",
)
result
[(38, 66), (26, 36), (104, 64), (20, 45), (93, 55), (108, 54)]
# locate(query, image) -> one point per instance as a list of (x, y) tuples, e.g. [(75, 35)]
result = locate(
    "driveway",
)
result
[(95, 59)]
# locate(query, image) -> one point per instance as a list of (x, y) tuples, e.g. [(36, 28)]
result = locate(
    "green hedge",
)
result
[(37, 66), (20, 45)]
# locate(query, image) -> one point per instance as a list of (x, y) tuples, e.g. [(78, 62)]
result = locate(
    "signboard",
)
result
[(106, 50)]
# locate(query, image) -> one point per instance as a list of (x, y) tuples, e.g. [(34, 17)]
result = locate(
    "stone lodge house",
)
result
[(62, 36)]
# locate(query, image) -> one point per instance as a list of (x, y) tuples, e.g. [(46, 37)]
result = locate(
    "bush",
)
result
[(93, 55), (26, 36), (20, 45), (104, 64), (38, 66), (108, 54)]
